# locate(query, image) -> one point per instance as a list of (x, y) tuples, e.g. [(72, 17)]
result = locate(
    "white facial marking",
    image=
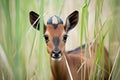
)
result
[(58, 59), (54, 20)]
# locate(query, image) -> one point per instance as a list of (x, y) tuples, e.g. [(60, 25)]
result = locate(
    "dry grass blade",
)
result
[(118, 52), (69, 71)]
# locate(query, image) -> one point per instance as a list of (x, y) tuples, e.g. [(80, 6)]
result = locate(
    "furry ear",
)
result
[(34, 20), (72, 21)]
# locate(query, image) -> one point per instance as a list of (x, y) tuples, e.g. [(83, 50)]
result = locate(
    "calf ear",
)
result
[(72, 21), (34, 20)]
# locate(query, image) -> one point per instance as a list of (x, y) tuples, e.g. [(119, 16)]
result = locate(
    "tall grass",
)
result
[(23, 54)]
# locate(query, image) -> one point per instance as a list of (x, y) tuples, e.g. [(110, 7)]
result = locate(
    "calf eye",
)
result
[(46, 38), (65, 38)]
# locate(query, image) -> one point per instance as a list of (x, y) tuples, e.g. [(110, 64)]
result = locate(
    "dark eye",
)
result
[(65, 38), (46, 38)]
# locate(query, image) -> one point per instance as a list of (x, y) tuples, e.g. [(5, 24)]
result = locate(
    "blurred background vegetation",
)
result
[(22, 50)]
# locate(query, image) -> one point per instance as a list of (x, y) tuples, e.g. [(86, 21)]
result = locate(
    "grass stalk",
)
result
[(17, 76)]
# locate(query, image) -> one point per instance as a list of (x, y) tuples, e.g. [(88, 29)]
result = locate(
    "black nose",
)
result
[(56, 53)]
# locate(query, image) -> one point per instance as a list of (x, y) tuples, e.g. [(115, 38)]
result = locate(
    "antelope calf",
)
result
[(71, 65)]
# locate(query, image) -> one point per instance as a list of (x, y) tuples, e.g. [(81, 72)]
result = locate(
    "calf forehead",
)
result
[(55, 31), (55, 20)]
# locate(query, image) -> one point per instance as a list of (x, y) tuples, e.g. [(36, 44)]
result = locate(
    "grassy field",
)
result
[(23, 54)]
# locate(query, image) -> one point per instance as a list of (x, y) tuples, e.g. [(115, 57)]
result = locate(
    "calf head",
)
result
[(55, 32)]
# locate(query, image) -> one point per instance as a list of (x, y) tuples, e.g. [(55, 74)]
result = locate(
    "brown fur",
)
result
[(75, 59), (51, 32)]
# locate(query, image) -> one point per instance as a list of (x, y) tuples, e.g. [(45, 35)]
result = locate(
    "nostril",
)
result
[(56, 53)]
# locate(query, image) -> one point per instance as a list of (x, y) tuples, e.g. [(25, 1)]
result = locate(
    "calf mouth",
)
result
[(56, 57)]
